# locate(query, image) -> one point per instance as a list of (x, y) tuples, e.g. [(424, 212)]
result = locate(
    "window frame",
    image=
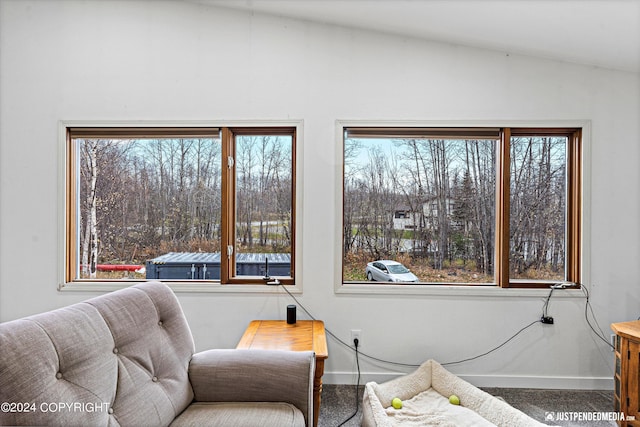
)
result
[(228, 222), (577, 218), (574, 191), (68, 194)]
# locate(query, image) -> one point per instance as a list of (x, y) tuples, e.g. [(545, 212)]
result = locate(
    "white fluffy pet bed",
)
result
[(425, 397)]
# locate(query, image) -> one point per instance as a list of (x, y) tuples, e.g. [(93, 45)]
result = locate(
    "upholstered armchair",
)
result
[(128, 358)]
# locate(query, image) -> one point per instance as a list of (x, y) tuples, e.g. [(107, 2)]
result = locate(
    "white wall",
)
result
[(181, 61)]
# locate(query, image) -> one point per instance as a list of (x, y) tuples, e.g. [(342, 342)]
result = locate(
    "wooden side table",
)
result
[(303, 335), (627, 372)]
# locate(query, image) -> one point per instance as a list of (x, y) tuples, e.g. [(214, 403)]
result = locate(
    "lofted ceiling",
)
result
[(602, 33)]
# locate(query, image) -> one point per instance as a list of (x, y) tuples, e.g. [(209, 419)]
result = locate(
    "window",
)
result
[(181, 204), (465, 206)]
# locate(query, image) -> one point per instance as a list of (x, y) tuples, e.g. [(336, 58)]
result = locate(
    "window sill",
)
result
[(452, 290), (178, 287)]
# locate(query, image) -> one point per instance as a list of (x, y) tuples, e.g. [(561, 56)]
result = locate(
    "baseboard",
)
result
[(502, 381)]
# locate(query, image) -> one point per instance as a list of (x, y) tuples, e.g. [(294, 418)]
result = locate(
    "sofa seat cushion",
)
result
[(246, 414)]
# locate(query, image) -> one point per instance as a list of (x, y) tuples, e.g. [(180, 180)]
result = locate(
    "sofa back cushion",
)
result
[(118, 359)]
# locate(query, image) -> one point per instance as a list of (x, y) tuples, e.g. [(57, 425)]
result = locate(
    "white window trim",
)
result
[(177, 286), (461, 290)]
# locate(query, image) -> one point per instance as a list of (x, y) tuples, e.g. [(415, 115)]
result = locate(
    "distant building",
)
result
[(425, 217), (405, 219)]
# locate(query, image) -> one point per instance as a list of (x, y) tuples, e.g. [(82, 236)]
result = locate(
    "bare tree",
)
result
[(89, 171)]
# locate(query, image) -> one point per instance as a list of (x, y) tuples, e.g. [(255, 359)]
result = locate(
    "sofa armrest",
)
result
[(243, 375)]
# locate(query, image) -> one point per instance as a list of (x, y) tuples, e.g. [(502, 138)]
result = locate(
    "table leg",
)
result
[(317, 390)]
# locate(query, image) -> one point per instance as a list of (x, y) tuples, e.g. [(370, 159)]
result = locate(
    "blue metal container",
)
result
[(206, 266)]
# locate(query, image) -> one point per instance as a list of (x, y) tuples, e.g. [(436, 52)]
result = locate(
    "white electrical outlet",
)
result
[(356, 333)]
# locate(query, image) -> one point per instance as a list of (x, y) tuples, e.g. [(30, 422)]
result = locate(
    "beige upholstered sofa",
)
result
[(127, 358)]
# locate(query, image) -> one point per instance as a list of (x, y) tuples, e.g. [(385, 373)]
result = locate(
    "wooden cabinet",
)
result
[(627, 372)]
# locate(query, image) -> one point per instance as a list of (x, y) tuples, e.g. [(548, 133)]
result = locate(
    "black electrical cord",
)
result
[(587, 305), (545, 307), (355, 344), (355, 347), (409, 365), (495, 348), (313, 318)]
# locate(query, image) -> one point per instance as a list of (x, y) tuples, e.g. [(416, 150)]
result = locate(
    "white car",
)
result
[(389, 271)]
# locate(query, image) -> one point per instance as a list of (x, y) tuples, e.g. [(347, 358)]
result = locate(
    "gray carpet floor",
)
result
[(339, 402)]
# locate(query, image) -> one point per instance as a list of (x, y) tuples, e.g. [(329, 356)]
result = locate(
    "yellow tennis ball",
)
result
[(396, 403), (454, 400)]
